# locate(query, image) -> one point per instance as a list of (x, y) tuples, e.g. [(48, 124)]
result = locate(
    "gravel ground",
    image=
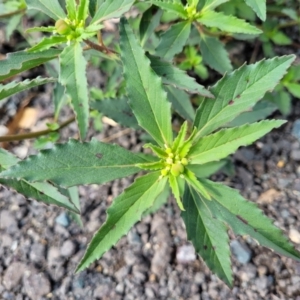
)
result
[(40, 246)]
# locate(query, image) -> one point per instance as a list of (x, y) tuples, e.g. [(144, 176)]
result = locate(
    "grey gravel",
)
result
[(63, 220), (13, 275), (68, 248), (240, 251), (36, 284)]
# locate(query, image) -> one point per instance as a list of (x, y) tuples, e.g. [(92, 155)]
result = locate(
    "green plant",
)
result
[(144, 99)]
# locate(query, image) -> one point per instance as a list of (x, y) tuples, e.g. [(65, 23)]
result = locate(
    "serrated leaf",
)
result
[(175, 77), (208, 235), (175, 190), (259, 6), (149, 21), (245, 218), (15, 87), (51, 8), (40, 191), (159, 201), (283, 101), (111, 9), (179, 140), (118, 110), (71, 9), (41, 29), (171, 6), (126, 210), (83, 10), (73, 77), (48, 42), (219, 145), (239, 91), (146, 96), (207, 169), (77, 163), (73, 194), (260, 111), (210, 4), (21, 61), (93, 7), (214, 54), (7, 159), (173, 40), (192, 181), (293, 88), (181, 103), (227, 23)]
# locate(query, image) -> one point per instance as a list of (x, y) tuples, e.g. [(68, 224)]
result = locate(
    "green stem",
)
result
[(30, 135)]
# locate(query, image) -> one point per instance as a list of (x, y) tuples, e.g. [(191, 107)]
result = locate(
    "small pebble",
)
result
[(240, 251), (63, 220), (185, 254), (296, 129), (294, 235), (295, 155), (67, 248)]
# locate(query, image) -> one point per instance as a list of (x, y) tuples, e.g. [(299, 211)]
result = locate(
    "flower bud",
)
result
[(177, 169), (62, 27)]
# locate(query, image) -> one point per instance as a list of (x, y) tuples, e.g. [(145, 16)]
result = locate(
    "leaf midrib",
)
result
[(225, 107)]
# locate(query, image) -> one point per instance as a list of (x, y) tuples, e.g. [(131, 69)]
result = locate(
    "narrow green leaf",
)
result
[(126, 210), (15, 87), (48, 42), (210, 4), (111, 9), (41, 29), (149, 21), (175, 190), (73, 194), (173, 40), (245, 218), (171, 6), (118, 110), (208, 235), (51, 8), (207, 169), (238, 91), (293, 88), (214, 54), (175, 77), (71, 9), (77, 163), (59, 99), (7, 159), (282, 100), (21, 61), (83, 10), (146, 95), (93, 7), (259, 6), (181, 103), (40, 191), (191, 179), (227, 23), (159, 201), (179, 140), (73, 77), (260, 111), (219, 145)]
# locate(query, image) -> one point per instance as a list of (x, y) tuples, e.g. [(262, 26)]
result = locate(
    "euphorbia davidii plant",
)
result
[(177, 159)]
